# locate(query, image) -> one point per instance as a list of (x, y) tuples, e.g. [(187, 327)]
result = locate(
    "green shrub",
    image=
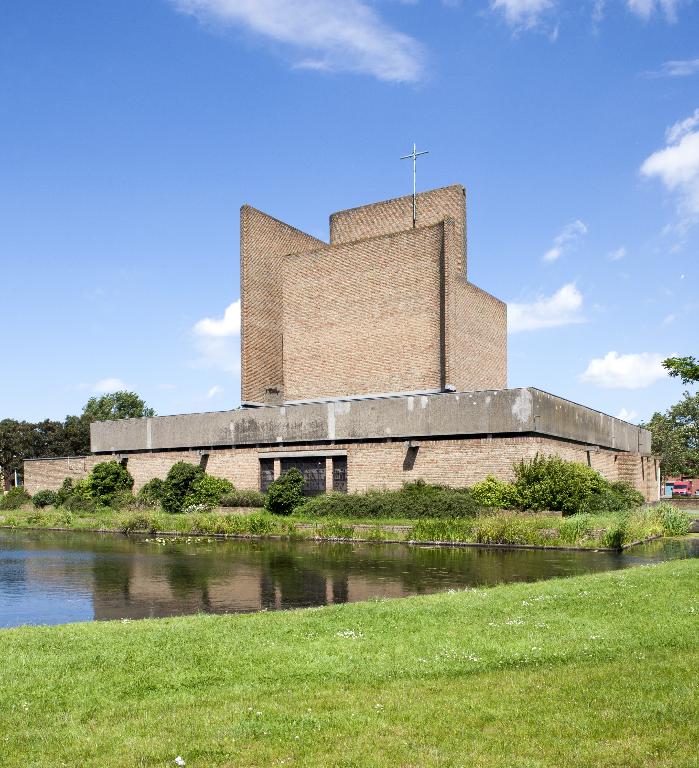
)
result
[(413, 501), (107, 480), (14, 498), (64, 492), (80, 498), (238, 498), (124, 500), (492, 492), (285, 493), (152, 493), (208, 491), (43, 499), (179, 484), (552, 483), (674, 521)]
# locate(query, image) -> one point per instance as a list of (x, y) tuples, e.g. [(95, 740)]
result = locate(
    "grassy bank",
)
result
[(588, 531), (591, 671)]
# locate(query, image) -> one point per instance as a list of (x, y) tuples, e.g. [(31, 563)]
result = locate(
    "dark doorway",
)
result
[(313, 471), (340, 474), (266, 474)]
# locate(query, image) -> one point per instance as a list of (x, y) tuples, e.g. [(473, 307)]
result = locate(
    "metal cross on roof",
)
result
[(414, 156)]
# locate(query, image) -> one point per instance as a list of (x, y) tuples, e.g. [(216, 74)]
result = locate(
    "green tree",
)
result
[(675, 437), (116, 405), (17, 443), (685, 368)]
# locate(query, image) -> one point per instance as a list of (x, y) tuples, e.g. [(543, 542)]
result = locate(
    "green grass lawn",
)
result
[(598, 670)]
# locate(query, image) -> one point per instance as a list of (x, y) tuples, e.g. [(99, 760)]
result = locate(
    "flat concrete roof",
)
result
[(449, 414)]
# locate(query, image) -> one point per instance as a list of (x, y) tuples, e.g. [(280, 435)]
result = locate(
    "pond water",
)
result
[(56, 577)]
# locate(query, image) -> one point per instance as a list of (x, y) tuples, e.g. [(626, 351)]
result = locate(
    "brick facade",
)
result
[(372, 465), (384, 307)]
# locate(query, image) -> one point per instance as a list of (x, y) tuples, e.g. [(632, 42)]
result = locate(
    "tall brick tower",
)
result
[(383, 308)]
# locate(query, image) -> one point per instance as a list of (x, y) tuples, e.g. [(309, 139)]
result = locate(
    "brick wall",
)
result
[(364, 317), (391, 216), (475, 327), (263, 243), (385, 308), (455, 463)]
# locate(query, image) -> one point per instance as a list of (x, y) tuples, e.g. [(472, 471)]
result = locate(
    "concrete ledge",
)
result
[(490, 412)]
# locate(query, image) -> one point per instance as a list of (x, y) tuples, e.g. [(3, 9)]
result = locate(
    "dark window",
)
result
[(313, 471), (340, 474), (266, 474)]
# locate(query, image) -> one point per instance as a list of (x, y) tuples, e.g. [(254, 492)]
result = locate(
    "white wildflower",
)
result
[(179, 760)]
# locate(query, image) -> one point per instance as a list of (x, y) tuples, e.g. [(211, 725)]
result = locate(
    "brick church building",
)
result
[(368, 361)]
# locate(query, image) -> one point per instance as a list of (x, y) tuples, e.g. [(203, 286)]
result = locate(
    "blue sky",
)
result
[(131, 132)]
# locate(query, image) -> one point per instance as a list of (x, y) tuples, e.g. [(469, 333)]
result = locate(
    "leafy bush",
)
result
[(674, 521), (43, 499), (244, 499), (107, 480), (64, 492), (492, 492), (14, 498), (80, 498), (413, 501), (208, 491), (285, 493), (152, 493), (552, 483), (179, 484)]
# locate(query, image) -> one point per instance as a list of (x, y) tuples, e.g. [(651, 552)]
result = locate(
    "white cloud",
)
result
[(618, 254), (215, 390), (679, 68), (669, 319), (346, 36), (565, 239), (562, 308), (646, 8), (109, 385), (677, 166), (228, 325), (625, 415), (522, 14), (631, 371), (218, 341)]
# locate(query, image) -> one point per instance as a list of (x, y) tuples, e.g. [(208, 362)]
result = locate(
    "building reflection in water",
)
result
[(48, 577)]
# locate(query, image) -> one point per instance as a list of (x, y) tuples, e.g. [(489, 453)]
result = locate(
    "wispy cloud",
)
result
[(565, 240), (218, 340), (215, 390), (522, 14), (564, 307), (677, 68), (647, 8), (347, 36), (677, 167), (110, 384), (617, 254), (631, 371)]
